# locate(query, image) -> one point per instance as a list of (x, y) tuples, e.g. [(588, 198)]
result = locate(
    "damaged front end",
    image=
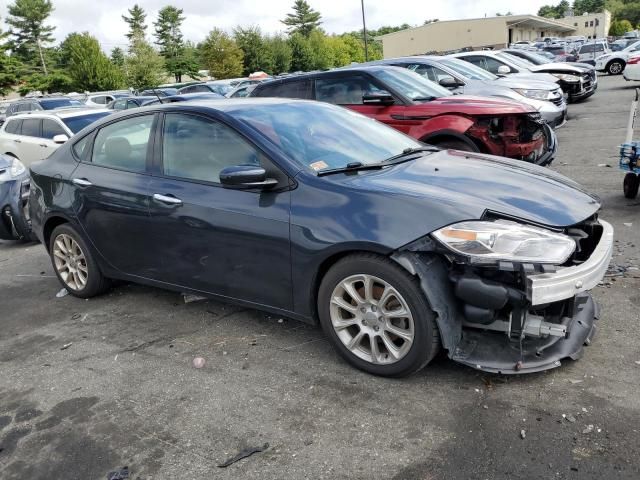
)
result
[(509, 316), (525, 137), (14, 196)]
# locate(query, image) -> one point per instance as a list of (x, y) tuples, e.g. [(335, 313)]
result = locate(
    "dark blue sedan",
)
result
[(315, 212)]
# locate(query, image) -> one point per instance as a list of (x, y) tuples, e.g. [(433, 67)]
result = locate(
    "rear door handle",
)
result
[(43, 145), (17, 141), (82, 182), (168, 199)]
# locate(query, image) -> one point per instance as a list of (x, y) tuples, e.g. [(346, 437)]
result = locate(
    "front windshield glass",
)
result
[(411, 84), (76, 124), (322, 137), (467, 69), (520, 62)]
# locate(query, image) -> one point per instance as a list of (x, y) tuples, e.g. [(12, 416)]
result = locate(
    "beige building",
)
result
[(490, 32)]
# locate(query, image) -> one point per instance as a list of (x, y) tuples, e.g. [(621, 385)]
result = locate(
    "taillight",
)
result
[(633, 61)]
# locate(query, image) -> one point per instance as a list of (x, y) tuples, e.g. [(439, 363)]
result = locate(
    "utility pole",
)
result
[(364, 32)]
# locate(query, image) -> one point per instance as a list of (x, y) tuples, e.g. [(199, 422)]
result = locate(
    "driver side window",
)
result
[(196, 148), (345, 90)]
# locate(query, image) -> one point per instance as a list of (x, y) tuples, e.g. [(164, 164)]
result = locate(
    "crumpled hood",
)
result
[(465, 186), (558, 67), (471, 105)]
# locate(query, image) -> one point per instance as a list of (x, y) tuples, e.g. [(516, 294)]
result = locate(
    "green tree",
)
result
[(620, 27), (221, 55), (340, 51), (169, 39), (281, 54), (189, 62), (56, 81), (29, 33), (557, 11), (9, 67), (117, 56), (630, 11), (87, 66), (257, 52), (321, 51), (136, 19), (143, 67), (303, 19), (587, 6), (301, 53)]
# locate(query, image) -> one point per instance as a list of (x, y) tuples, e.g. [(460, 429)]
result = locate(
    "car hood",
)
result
[(525, 81), (5, 161), (540, 76), (473, 105), (557, 67), (457, 186)]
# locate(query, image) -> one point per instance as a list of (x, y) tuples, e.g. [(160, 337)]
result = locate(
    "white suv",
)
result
[(614, 63), (588, 52), (34, 136)]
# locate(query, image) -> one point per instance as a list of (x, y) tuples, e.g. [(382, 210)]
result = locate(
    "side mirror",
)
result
[(382, 99), (60, 139), (246, 176), (449, 82), (504, 70)]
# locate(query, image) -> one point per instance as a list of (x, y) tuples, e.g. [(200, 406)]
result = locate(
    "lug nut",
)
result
[(373, 308), (376, 328)]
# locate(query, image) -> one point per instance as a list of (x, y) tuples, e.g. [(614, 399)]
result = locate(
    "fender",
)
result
[(436, 126), (452, 134)]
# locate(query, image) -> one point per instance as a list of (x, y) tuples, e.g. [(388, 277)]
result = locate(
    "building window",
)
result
[(591, 23), (586, 24), (597, 22), (575, 24)]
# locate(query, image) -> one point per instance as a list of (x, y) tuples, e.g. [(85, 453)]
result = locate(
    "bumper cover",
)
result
[(567, 282), (14, 224), (492, 353), (551, 147)]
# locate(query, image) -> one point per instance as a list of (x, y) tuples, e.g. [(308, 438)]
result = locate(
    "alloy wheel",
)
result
[(372, 319), (615, 68), (70, 262)]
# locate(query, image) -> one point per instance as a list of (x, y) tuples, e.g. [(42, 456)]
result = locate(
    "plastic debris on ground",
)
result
[(523, 434), (120, 474), (247, 452), (66, 345), (62, 293), (198, 362), (188, 298), (589, 429)]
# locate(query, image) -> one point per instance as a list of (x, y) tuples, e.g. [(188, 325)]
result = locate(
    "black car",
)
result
[(578, 80), (37, 104), (14, 196), (130, 102), (312, 211)]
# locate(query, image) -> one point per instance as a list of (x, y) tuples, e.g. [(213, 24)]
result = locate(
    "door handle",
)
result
[(168, 199), (82, 182), (43, 145), (17, 141)]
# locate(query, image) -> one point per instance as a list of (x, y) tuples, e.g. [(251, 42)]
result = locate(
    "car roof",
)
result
[(350, 68), (61, 113)]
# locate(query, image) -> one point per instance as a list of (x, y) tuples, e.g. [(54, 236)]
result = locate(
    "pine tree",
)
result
[(136, 18), (144, 67), (28, 30), (303, 19), (117, 56), (169, 39)]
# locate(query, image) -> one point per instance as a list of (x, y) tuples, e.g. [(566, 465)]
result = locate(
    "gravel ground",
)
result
[(124, 392)]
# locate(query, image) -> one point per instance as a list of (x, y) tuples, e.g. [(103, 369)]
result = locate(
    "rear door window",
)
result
[(124, 144), (13, 126), (31, 127)]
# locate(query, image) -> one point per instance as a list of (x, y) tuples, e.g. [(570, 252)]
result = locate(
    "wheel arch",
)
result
[(49, 226), (619, 60), (439, 136)]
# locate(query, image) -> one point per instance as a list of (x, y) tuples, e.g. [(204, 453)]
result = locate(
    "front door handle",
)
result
[(43, 145), (82, 182), (168, 199), (17, 141)]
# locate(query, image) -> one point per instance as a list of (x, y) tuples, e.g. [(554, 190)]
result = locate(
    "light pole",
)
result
[(364, 33)]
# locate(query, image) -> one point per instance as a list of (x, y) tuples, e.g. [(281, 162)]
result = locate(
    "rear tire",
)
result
[(74, 263), (630, 185), (615, 68), (363, 299), (453, 144)]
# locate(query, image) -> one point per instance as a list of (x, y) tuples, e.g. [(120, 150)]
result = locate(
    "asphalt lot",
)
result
[(125, 393)]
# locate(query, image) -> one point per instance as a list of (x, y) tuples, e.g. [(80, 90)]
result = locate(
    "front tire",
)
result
[(615, 68), (630, 185), (454, 144), (74, 263), (377, 317)]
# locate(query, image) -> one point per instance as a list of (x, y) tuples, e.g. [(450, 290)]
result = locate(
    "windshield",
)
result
[(321, 137), (59, 103), (411, 84), (520, 62), (632, 47), (537, 58), (221, 88), (467, 69), (76, 124)]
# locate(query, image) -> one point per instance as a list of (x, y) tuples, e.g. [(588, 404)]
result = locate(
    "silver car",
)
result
[(462, 77)]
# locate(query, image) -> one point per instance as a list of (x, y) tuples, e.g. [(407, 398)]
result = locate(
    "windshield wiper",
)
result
[(407, 154), (353, 167)]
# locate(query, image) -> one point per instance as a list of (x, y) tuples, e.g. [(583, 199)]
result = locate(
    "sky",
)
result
[(102, 18)]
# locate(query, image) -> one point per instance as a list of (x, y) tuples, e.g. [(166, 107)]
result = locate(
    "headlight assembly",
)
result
[(510, 241), (567, 77), (17, 168), (534, 94)]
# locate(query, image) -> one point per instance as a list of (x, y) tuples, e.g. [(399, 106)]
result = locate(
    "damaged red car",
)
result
[(426, 111)]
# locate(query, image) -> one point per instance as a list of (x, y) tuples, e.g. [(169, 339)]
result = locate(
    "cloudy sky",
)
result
[(102, 18)]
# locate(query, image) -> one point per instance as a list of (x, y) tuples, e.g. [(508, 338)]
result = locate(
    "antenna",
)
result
[(156, 94)]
